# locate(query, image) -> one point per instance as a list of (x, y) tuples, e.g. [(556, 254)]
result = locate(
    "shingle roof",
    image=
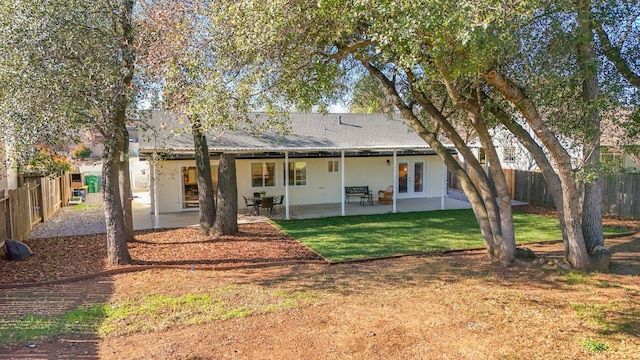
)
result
[(308, 132), (613, 133)]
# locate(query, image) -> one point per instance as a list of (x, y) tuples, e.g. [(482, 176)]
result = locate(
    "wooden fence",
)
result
[(621, 195), (5, 217), (531, 188), (20, 211), (51, 196), (35, 201)]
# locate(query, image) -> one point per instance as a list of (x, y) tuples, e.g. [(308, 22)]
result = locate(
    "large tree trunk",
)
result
[(502, 250), (472, 107), (488, 220), (124, 175), (226, 222), (117, 251), (205, 185), (550, 177), (592, 204), (116, 138), (504, 199), (576, 250)]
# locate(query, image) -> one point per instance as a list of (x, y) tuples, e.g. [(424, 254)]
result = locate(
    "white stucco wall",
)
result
[(322, 186), (629, 164), (436, 177)]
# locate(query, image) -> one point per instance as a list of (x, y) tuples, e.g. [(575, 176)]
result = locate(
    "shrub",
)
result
[(81, 152)]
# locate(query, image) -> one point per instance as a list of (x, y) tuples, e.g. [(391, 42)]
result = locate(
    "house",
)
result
[(312, 163), (614, 149), (620, 151)]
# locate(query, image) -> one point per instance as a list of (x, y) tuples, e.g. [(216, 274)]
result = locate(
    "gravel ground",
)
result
[(74, 220), (456, 194)]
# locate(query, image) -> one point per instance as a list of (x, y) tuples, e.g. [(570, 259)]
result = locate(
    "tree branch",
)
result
[(614, 54)]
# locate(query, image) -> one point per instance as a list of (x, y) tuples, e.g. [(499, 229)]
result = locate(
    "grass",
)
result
[(353, 237), (577, 277), (153, 312), (613, 317), (84, 206), (594, 346), (30, 328)]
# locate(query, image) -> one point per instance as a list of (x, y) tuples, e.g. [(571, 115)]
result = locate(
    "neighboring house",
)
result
[(514, 155), (311, 164), (619, 151), (139, 170)]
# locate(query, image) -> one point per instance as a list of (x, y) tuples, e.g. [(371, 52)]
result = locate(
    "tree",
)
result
[(617, 26), (226, 222), (212, 93), (71, 64), (369, 98), (46, 162), (442, 63), (174, 39), (331, 43)]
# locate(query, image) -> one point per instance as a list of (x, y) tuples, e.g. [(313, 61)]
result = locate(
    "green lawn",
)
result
[(353, 237)]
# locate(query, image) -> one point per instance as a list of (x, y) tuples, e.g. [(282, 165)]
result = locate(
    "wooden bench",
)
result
[(356, 191)]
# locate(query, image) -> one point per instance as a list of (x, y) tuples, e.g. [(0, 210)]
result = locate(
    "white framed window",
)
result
[(190, 185), (263, 174), (509, 154), (297, 173), (612, 161), (333, 166)]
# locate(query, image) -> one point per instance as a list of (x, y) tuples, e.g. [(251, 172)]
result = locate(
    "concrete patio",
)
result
[(143, 219)]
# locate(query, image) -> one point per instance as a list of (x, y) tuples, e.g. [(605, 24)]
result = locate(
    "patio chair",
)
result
[(278, 206), (249, 206), (385, 197), (267, 204)]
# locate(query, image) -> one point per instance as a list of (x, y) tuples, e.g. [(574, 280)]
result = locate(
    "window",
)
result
[(482, 158), (190, 185), (509, 154), (332, 166), (612, 161), (263, 174), (297, 173)]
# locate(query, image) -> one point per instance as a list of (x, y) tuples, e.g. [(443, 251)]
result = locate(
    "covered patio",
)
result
[(354, 208), (144, 219)]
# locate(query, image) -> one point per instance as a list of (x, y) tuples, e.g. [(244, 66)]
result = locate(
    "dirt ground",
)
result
[(453, 306)]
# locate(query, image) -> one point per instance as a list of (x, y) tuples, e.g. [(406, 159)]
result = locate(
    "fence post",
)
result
[(5, 221)]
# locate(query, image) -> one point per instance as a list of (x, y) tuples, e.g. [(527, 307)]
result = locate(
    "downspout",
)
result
[(286, 185), (444, 185), (395, 179), (342, 181)]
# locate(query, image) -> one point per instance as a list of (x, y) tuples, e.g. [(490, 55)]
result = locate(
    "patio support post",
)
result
[(395, 179), (342, 181), (444, 185), (286, 185)]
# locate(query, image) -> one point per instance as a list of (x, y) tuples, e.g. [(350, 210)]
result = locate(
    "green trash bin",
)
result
[(92, 183)]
